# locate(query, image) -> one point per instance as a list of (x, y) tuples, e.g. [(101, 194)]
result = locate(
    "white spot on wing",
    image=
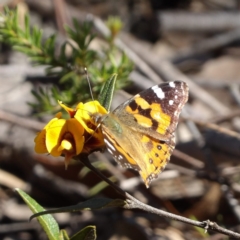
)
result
[(127, 165), (171, 102), (172, 84), (158, 92), (109, 150), (109, 145)]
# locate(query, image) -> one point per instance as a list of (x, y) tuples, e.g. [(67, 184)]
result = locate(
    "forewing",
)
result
[(156, 110), (118, 150)]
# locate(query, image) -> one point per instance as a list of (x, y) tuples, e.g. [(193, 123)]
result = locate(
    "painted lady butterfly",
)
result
[(139, 133)]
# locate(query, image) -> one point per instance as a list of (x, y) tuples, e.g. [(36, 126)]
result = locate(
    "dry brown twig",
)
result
[(188, 159), (217, 128), (206, 46), (133, 203), (185, 21), (226, 117), (61, 15), (21, 121)]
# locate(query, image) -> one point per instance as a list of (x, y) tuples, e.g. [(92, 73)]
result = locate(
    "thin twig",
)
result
[(231, 200), (84, 159), (142, 65), (60, 14), (206, 45), (185, 21), (188, 159), (180, 169), (112, 169), (204, 224), (21, 121), (223, 118), (217, 128), (234, 89), (134, 203)]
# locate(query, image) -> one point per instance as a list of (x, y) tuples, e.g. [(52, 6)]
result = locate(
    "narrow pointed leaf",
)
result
[(87, 233), (91, 204), (47, 222), (106, 95), (27, 27), (64, 235), (99, 187)]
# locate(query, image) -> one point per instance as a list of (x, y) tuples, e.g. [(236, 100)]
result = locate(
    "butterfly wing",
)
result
[(140, 152), (140, 133), (155, 111), (156, 155)]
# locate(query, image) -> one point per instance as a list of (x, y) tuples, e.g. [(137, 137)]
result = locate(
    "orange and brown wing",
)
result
[(140, 132), (156, 155), (156, 110)]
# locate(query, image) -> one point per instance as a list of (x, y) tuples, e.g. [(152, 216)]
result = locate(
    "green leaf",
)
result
[(67, 63), (106, 95), (85, 170), (47, 222), (27, 28), (37, 36), (100, 186), (64, 235), (87, 233), (67, 76), (91, 204), (62, 56), (201, 231)]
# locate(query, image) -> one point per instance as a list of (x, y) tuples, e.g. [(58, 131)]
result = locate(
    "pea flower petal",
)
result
[(84, 114), (40, 143), (61, 136), (62, 129), (67, 136), (69, 110)]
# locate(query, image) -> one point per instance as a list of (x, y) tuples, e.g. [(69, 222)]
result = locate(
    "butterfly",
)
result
[(139, 133)]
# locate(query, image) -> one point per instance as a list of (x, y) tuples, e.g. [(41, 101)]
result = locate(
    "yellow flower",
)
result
[(84, 115), (70, 137), (61, 136)]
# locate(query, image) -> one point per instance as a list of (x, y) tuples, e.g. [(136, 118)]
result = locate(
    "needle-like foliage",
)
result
[(66, 63)]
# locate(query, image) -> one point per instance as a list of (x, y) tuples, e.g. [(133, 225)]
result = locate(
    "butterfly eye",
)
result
[(97, 118)]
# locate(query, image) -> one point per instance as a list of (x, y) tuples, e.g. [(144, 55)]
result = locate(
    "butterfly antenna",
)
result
[(91, 93), (89, 84)]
